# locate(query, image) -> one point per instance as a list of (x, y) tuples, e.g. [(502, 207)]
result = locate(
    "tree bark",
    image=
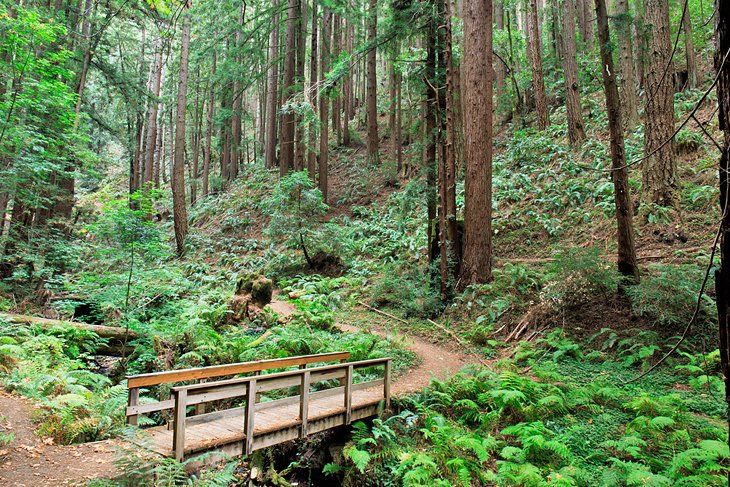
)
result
[(237, 104), (348, 88), (477, 102), (180, 212), (659, 169), (430, 111), (324, 104), (300, 149), (155, 87), (576, 130), (209, 130), (627, 264), (454, 246), (272, 91), (500, 69), (336, 99), (372, 85), (312, 155), (689, 49), (538, 79), (722, 275), (629, 97), (287, 118)]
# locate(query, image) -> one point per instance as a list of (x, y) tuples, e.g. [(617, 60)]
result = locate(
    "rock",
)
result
[(295, 294), (261, 291)]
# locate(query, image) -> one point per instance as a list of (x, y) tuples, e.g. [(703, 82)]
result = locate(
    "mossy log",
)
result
[(115, 335)]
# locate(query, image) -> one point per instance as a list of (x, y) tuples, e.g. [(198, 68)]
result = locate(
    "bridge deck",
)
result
[(272, 425)]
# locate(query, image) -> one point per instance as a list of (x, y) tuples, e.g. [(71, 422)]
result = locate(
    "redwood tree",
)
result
[(576, 130), (180, 212), (627, 265), (538, 79), (477, 106), (372, 82), (658, 170), (722, 275)]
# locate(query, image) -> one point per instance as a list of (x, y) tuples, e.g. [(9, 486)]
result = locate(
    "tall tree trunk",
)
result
[(237, 101), (659, 169), (312, 155), (629, 98), (576, 131), (155, 87), (586, 24), (348, 87), (180, 212), (430, 109), (500, 70), (336, 99), (300, 148), (272, 91), (722, 275), (450, 145), (324, 104), (287, 117), (538, 79), (640, 43), (689, 48), (372, 82), (477, 102), (627, 264), (209, 130)]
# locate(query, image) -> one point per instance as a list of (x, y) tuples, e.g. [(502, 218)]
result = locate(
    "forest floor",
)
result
[(30, 460)]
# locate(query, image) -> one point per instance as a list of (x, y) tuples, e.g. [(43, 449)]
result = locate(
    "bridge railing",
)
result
[(203, 374), (249, 389)]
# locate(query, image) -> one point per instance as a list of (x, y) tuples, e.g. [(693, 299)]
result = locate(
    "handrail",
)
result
[(193, 394), (155, 378), (135, 382), (361, 364)]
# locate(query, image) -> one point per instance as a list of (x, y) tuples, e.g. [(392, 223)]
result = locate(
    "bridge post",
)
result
[(178, 437), (133, 400), (386, 383), (348, 395), (304, 404), (250, 412)]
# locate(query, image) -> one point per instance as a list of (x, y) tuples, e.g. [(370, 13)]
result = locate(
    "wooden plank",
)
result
[(150, 408), (292, 373), (132, 401), (226, 392), (230, 369), (178, 439), (304, 404), (214, 430)]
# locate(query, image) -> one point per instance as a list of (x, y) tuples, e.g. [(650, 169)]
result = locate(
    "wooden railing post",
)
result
[(200, 408), (386, 383), (348, 395), (249, 415), (178, 437), (304, 404), (133, 400)]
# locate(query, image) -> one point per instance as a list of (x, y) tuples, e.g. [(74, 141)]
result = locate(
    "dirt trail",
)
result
[(33, 461), (436, 360)]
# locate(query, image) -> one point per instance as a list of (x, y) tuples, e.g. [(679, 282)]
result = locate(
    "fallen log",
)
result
[(118, 337)]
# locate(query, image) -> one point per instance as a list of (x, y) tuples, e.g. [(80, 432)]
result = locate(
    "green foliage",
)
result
[(668, 295), (295, 206), (577, 276)]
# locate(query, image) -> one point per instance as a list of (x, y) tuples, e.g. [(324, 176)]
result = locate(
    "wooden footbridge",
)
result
[(242, 414)]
